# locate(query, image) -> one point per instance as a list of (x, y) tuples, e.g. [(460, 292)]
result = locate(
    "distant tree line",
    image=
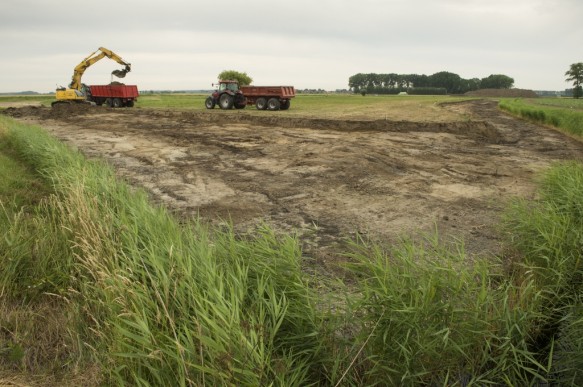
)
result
[(311, 91), (21, 93), (442, 82)]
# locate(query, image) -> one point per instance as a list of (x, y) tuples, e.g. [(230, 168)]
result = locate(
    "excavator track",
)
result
[(69, 103)]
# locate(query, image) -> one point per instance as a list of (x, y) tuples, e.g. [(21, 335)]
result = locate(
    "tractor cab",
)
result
[(226, 96), (228, 85)]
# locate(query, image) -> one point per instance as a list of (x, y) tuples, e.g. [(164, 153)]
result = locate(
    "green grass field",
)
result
[(44, 100), (330, 106), (563, 103)]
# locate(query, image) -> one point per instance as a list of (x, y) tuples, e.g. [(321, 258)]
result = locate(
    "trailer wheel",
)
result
[(209, 102), (116, 103), (108, 102), (130, 103), (261, 103), (273, 104), (226, 101), (285, 104)]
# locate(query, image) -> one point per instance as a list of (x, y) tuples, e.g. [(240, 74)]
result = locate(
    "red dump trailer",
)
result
[(230, 95), (269, 97), (113, 95)]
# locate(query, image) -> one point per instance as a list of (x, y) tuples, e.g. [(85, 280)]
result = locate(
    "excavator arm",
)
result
[(95, 57), (79, 93)]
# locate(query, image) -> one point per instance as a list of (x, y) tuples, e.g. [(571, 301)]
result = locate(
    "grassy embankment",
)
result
[(563, 113), (98, 285)]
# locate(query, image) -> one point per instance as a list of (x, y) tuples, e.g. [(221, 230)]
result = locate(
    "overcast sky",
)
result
[(185, 44)]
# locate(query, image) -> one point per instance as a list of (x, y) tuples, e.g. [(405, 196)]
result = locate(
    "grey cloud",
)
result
[(346, 36)]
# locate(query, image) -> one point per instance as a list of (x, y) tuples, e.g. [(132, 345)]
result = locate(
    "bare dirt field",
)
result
[(323, 179)]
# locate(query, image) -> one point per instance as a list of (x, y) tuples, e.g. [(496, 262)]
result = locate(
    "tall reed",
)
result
[(430, 315), (548, 235), (160, 303)]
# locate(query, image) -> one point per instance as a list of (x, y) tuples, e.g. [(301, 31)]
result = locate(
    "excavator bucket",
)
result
[(119, 73)]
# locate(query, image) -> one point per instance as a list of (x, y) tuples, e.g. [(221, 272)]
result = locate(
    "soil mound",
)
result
[(59, 111), (502, 93)]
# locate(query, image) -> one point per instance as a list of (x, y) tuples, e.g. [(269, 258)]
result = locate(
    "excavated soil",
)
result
[(325, 180)]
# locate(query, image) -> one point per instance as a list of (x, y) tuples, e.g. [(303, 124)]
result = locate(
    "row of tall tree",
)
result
[(451, 82)]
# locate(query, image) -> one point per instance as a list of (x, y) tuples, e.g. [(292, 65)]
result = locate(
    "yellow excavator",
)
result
[(77, 91)]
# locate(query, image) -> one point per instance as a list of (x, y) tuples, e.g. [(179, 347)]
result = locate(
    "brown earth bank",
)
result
[(503, 93), (324, 180)]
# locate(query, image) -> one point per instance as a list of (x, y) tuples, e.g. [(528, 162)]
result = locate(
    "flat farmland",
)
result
[(383, 169)]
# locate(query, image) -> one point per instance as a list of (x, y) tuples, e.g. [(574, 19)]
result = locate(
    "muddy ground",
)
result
[(323, 179)]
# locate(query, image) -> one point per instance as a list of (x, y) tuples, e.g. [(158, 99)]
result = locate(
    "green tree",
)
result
[(497, 81), (242, 78), (418, 80), (452, 82), (357, 82), (472, 84), (575, 75)]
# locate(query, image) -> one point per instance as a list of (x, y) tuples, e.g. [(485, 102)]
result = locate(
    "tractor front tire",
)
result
[(285, 104), (210, 103)]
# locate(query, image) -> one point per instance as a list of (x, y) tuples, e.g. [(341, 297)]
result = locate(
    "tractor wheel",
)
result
[(261, 103), (108, 102), (226, 101), (210, 103), (285, 104), (240, 101), (116, 103), (273, 104), (130, 103)]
